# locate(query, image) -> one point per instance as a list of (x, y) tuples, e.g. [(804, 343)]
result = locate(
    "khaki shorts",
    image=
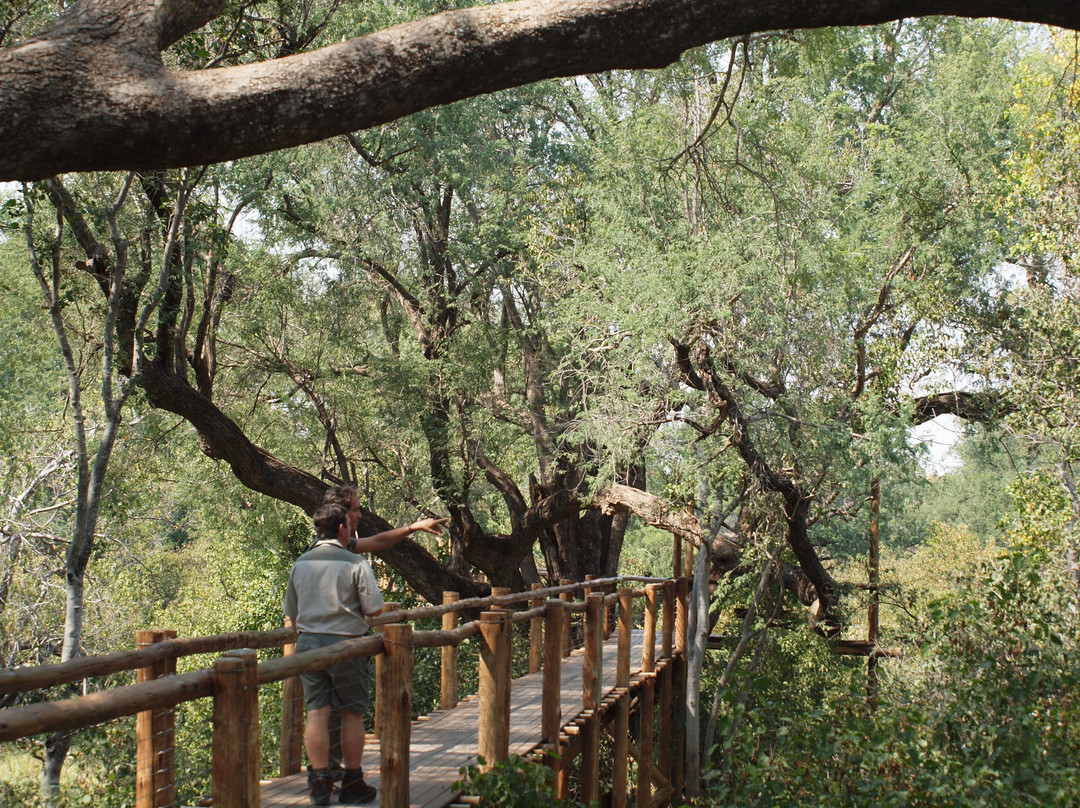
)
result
[(344, 686)]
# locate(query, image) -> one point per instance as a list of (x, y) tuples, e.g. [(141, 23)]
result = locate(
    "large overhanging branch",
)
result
[(91, 92)]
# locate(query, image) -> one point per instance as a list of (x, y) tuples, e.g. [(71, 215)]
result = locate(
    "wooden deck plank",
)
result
[(446, 740)]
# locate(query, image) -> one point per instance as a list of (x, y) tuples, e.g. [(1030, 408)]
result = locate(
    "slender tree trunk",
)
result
[(90, 476)]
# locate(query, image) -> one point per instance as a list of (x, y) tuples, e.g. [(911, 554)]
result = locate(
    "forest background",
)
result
[(561, 314)]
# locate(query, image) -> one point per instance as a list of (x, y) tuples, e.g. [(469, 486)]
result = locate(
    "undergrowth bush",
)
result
[(985, 713)]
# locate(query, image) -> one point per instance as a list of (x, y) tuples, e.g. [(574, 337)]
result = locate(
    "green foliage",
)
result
[(512, 783), (983, 714), (1043, 511)]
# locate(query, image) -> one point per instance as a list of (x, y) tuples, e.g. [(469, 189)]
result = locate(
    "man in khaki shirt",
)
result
[(331, 594)]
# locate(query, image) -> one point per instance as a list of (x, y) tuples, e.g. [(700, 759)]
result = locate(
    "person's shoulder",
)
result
[(325, 552)]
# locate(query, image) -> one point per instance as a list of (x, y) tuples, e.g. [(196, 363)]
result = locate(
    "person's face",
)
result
[(354, 515)]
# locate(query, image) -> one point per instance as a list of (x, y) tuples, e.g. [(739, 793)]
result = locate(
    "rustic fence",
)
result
[(235, 677)]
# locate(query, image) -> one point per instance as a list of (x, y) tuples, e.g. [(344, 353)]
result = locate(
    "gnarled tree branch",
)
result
[(91, 91)]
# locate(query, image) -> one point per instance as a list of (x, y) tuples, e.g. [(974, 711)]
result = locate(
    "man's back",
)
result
[(330, 590)]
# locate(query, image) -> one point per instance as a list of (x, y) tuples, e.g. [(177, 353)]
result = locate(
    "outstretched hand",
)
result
[(430, 525)]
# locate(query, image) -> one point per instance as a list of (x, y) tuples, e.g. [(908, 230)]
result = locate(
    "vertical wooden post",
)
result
[(681, 615), (667, 641), (645, 744), (449, 684), (394, 693), (663, 754), (155, 734), (551, 707), (236, 730), (648, 648), (498, 592), (678, 674), (536, 635), (873, 562), (620, 752), (592, 672), (668, 721), (494, 731), (589, 590), (292, 721), (676, 555), (388, 606), (689, 553), (567, 632), (591, 676)]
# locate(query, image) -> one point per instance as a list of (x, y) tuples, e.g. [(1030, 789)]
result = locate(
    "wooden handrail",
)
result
[(317, 659), (529, 614), (438, 639), (423, 612), (95, 708), (16, 680)]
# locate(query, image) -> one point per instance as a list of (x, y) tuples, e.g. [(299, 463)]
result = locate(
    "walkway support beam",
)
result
[(290, 758), (591, 677), (536, 635), (645, 744), (155, 734), (551, 706), (394, 694), (448, 691), (620, 753), (236, 730), (494, 731)]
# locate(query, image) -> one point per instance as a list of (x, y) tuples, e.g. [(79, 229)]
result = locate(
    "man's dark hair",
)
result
[(342, 495), (328, 519)]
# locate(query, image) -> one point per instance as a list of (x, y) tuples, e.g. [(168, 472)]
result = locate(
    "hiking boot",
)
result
[(354, 791), (320, 786)]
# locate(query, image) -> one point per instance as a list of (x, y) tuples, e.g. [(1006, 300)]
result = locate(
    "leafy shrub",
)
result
[(513, 783), (986, 715)]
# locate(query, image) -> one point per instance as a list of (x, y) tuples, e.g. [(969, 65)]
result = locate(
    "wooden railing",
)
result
[(235, 677)]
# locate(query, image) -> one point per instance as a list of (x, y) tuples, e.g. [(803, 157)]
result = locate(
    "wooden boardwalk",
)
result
[(447, 740)]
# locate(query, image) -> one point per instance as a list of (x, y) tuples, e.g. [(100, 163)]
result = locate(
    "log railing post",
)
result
[(620, 752), (663, 752), (494, 731), (536, 634), (591, 676), (498, 592), (645, 744), (290, 759), (388, 606), (667, 642), (602, 589), (449, 669), (155, 734), (236, 730), (551, 708), (678, 675), (648, 649), (394, 694), (592, 672), (567, 632), (681, 615), (653, 593)]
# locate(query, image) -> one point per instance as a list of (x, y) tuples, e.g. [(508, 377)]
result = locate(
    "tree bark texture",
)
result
[(91, 91)]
